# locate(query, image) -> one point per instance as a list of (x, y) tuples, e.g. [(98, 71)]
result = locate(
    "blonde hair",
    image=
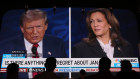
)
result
[(31, 15)]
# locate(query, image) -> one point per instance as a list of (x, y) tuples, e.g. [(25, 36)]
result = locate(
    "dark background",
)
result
[(127, 20), (57, 26), (131, 5)]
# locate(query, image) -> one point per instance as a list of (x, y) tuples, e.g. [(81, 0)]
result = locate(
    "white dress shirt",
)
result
[(107, 48), (28, 47)]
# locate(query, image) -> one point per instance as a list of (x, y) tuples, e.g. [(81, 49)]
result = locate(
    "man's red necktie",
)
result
[(36, 55)]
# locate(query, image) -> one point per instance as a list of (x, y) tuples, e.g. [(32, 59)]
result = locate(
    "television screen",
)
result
[(71, 35)]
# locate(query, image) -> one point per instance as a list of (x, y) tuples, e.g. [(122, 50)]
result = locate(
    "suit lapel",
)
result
[(20, 43), (96, 48), (117, 53), (45, 47)]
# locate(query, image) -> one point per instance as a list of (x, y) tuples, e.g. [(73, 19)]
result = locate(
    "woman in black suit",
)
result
[(104, 39)]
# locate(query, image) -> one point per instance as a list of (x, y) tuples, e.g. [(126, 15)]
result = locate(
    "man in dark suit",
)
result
[(33, 24)]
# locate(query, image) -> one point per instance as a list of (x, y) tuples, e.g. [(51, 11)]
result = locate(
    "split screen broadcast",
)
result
[(76, 37)]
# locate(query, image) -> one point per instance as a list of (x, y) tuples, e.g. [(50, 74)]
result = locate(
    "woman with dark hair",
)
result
[(104, 39)]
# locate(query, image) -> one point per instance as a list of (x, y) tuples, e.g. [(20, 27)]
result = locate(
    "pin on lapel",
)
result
[(119, 48), (49, 53)]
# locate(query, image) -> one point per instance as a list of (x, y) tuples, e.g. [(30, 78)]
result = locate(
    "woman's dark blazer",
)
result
[(85, 50)]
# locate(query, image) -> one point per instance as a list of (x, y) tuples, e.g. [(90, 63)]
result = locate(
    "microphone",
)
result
[(34, 49)]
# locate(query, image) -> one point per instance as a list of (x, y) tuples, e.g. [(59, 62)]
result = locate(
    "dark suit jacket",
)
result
[(84, 50), (50, 44)]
